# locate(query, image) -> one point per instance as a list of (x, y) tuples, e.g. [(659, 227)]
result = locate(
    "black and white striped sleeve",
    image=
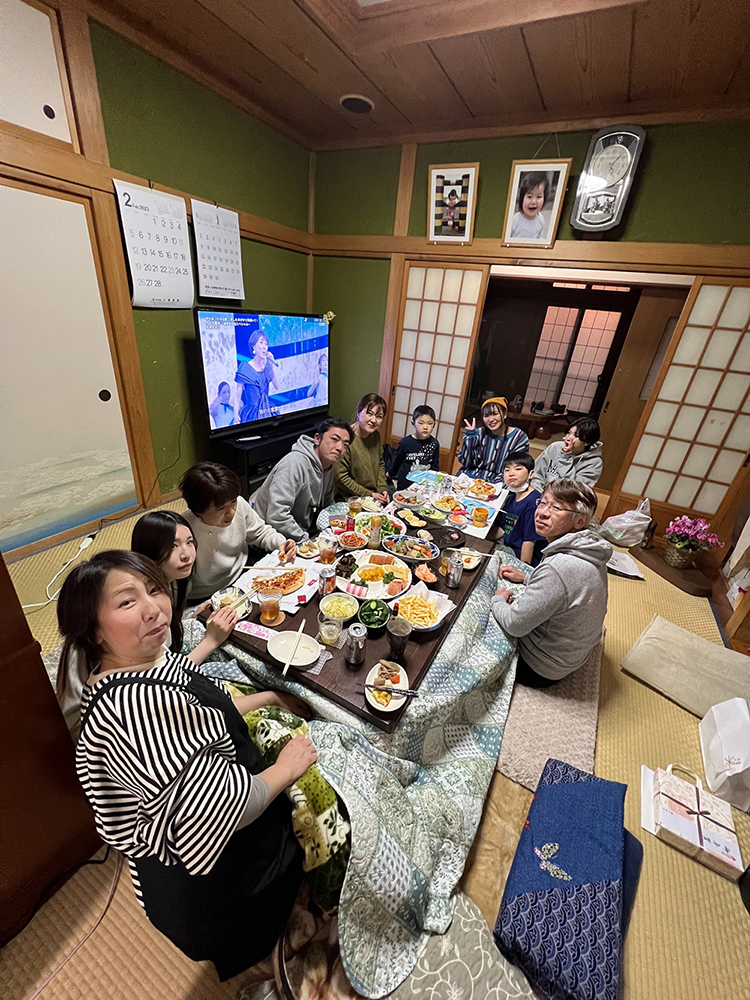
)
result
[(160, 772)]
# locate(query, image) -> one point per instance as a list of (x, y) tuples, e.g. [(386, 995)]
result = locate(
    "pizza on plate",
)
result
[(287, 582), (482, 488)]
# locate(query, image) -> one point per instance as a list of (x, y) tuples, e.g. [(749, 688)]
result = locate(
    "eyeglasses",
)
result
[(552, 506)]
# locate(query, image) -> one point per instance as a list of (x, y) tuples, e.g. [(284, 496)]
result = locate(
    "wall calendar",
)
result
[(219, 252), (155, 231)]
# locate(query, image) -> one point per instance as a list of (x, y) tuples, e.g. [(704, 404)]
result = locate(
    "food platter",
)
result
[(379, 576), (412, 550), (391, 525), (441, 606), (412, 519)]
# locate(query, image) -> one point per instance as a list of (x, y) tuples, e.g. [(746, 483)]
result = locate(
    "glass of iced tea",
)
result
[(327, 544), (270, 605)]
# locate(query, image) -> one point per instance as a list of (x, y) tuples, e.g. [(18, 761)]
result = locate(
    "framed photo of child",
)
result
[(451, 202), (535, 197)]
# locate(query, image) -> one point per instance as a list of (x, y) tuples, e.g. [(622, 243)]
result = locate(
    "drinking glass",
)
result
[(270, 605), (329, 628), (327, 544), (399, 630)]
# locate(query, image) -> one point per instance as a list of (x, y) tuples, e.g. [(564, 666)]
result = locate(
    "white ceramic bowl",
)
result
[(232, 593), (308, 651), (396, 700), (326, 602), (362, 540)]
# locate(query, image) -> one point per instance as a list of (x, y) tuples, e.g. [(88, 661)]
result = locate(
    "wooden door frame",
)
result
[(109, 265)]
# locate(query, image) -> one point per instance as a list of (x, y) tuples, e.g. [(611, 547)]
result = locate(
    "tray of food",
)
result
[(390, 525), (409, 549), (372, 575)]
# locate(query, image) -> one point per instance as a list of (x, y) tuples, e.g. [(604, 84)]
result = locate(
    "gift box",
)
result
[(696, 822)]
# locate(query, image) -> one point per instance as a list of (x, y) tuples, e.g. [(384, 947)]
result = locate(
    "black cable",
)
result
[(103, 861)]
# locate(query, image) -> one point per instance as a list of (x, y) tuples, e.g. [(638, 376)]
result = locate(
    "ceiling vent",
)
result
[(356, 103)]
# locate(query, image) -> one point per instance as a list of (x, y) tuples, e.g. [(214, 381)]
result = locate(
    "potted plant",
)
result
[(686, 536)]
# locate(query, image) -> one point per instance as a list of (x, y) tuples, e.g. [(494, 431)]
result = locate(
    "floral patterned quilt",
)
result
[(414, 796)]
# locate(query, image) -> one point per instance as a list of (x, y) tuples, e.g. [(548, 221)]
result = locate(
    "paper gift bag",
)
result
[(695, 822), (725, 742)]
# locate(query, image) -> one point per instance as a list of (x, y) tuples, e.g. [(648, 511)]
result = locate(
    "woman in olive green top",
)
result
[(361, 471)]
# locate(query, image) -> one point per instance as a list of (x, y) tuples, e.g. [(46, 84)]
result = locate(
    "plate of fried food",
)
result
[(386, 674), (372, 575), (483, 490), (448, 504), (309, 549), (423, 610)]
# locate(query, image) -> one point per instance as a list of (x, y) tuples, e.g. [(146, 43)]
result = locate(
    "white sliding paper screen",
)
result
[(64, 457), (435, 346), (697, 435)]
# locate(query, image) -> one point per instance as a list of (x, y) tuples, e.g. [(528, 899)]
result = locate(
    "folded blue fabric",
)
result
[(566, 903)]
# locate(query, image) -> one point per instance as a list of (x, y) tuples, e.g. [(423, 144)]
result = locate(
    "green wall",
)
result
[(162, 126), (356, 191), (356, 290), (674, 197)]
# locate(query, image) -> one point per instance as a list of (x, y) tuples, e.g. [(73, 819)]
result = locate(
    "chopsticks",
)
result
[(406, 692), (294, 648)]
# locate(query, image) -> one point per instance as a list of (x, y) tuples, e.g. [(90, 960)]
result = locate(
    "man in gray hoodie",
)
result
[(559, 618), (577, 456), (301, 484)]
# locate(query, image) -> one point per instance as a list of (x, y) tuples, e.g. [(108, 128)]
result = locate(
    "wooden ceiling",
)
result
[(439, 69)]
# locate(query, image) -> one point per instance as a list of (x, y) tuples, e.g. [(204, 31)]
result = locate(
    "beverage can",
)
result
[(455, 570), (356, 644), (326, 580)]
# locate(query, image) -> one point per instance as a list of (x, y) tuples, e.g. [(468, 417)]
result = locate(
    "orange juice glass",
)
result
[(270, 605)]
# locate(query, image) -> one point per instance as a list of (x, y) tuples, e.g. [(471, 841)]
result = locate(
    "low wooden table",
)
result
[(691, 580), (343, 684), (538, 424)]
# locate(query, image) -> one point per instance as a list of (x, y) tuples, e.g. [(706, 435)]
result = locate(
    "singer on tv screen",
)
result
[(259, 365)]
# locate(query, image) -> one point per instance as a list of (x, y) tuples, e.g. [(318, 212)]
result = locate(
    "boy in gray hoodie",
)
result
[(559, 618), (577, 456), (301, 484)]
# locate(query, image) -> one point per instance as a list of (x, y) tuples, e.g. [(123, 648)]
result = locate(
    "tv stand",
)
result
[(253, 456)]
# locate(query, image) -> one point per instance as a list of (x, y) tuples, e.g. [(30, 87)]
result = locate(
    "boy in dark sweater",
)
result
[(518, 513), (418, 450)]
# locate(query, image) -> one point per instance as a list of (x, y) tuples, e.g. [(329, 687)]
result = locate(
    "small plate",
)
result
[(233, 593), (431, 514), (308, 651), (471, 558), (396, 700), (411, 500), (312, 553)]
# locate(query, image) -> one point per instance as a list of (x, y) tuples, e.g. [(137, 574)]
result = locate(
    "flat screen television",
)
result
[(261, 369)]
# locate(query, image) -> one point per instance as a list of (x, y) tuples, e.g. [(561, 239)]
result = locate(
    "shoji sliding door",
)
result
[(441, 309), (692, 447)]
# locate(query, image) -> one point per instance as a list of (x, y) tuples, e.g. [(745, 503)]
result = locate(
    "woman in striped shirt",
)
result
[(484, 449), (175, 783)]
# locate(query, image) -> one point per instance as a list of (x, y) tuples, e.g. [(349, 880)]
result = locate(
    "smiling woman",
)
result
[(176, 784)]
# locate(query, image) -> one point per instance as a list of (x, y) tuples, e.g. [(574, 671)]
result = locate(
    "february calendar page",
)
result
[(155, 230), (217, 245)]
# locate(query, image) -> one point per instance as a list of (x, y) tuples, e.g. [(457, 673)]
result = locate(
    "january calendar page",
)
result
[(155, 230), (217, 247)]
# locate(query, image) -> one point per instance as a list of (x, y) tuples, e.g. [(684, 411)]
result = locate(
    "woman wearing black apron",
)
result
[(174, 780)]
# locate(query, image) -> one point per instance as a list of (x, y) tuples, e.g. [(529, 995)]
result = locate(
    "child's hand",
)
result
[(221, 624), (470, 425), (511, 573)]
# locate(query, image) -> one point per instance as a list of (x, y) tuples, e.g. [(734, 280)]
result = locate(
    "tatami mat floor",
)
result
[(689, 936)]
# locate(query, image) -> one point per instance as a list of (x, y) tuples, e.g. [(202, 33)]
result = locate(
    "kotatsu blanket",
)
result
[(565, 907), (414, 796)]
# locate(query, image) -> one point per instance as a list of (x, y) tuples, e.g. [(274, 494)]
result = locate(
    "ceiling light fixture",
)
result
[(358, 104)]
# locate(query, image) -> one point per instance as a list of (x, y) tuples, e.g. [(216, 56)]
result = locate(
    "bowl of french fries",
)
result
[(425, 611)]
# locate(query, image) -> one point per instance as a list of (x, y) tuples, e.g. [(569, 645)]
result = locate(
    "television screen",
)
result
[(261, 366)]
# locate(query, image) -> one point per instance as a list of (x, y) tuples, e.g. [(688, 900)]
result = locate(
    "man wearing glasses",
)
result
[(559, 617)]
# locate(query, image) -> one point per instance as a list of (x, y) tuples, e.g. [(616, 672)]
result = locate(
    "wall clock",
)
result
[(607, 177)]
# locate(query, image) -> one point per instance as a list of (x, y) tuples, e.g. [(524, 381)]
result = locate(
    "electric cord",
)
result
[(85, 542), (61, 964)]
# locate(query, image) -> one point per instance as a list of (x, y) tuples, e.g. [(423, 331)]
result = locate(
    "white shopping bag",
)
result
[(628, 528), (725, 742)]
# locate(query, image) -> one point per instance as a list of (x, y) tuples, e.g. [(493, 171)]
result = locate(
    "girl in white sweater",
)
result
[(224, 525)]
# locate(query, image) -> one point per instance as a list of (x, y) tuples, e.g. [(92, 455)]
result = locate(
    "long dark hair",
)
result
[(78, 607), (153, 536)]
